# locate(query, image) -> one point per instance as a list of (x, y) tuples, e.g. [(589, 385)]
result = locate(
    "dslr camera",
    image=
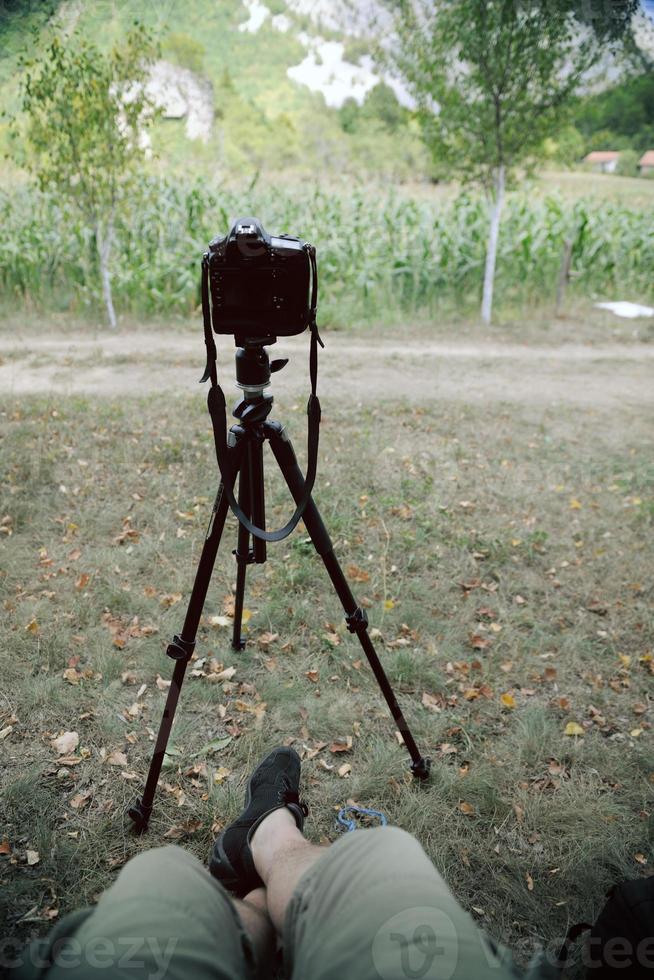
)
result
[(261, 285)]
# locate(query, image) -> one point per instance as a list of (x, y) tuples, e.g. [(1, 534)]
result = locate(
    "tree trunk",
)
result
[(104, 242), (497, 203)]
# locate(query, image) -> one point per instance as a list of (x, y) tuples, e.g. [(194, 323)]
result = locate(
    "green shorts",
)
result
[(373, 907)]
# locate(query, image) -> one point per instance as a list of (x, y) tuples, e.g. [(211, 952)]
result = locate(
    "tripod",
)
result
[(245, 460)]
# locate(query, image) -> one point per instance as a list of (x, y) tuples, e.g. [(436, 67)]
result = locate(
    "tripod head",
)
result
[(253, 366)]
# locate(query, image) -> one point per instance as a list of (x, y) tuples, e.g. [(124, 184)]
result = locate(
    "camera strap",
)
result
[(218, 411)]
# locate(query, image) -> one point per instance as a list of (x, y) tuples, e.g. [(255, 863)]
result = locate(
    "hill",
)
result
[(276, 87)]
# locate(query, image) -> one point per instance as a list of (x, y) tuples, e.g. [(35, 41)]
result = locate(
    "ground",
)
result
[(492, 504)]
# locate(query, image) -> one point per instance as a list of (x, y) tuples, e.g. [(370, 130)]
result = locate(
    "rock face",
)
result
[(181, 94)]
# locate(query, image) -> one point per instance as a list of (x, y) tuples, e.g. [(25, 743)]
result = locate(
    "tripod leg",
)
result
[(181, 649), (355, 616), (242, 553), (252, 503)]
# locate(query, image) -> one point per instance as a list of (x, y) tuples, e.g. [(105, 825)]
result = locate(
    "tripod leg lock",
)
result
[(357, 622), (180, 649), (139, 814)]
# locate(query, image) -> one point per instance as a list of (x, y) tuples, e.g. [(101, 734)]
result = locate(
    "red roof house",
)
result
[(603, 161), (646, 163)]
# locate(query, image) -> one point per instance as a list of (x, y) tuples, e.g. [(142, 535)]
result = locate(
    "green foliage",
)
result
[(184, 51), (84, 113), (499, 76), (566, 148), (623, 114), (378, 255), (628, 164)]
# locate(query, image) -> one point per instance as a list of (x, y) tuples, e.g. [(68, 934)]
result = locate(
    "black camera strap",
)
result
[(218, 411)]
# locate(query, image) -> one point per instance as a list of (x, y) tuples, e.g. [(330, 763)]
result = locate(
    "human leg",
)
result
[(164, 917)]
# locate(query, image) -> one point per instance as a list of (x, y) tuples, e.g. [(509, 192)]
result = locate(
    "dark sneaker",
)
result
[(275, 783)]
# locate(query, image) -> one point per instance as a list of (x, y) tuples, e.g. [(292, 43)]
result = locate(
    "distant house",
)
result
[(603, 161), (646, 164)]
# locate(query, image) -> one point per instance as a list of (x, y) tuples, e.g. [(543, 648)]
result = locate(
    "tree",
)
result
[(492, 79), (85, 116)]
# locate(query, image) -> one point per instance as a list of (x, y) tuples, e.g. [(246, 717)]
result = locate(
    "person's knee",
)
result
[(156, 868), (392, 844)]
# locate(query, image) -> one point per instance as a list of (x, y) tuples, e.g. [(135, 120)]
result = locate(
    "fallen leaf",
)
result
[(508, 700), (467, 808), (117, 759), (575, 504), (5, 846), (222, 621), (267, 638), (32, 627), (6, 731), (221, 774), (66, 743), (170, 599), (640, 858), (478, 642), (431, 702), (183, 829), (357, 574), (312, 675), (215, 745), (530, 882), (345, 769), (33, 857), (341, 745), (572, 728), (79, 801), (161, 683), (82, 581)]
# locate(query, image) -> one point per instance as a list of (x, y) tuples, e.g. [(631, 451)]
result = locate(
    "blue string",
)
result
[(350, 823)]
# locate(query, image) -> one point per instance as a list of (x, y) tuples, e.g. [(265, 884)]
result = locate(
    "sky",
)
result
[(648, 7)]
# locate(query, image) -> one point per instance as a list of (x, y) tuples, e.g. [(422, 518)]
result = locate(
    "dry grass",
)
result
[(500, 553)]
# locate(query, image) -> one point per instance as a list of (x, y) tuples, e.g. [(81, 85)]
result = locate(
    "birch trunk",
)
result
[(104, 243), (491, 251)]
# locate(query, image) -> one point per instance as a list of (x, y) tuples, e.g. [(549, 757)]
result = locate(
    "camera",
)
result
[(261, 285)]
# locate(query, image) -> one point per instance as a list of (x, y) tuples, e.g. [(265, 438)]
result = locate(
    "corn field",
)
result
[(376, 255)]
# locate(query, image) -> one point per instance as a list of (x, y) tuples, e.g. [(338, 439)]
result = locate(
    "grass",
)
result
[(502, 555)]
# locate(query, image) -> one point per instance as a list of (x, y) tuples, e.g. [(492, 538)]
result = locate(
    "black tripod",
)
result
[(244, 453)]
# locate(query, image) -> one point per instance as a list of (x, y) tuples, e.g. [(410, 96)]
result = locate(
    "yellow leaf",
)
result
[(32, 627), (624, 659), (247, 616), (635, 732), (508, 700), (572, 728), (389, 604), (575, 504)]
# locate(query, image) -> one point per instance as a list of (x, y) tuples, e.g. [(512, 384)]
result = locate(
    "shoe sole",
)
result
[(220, 866)]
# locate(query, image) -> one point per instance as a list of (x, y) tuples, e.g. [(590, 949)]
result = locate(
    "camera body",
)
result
[(259, 284)]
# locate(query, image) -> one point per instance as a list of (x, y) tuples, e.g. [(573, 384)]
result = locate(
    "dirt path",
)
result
[(140, 363)]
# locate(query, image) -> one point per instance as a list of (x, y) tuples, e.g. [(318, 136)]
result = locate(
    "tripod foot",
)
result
[(140, 816), (421, 768), (238, 644)]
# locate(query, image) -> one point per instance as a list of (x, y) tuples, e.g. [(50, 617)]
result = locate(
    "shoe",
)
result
[(274, 784)]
